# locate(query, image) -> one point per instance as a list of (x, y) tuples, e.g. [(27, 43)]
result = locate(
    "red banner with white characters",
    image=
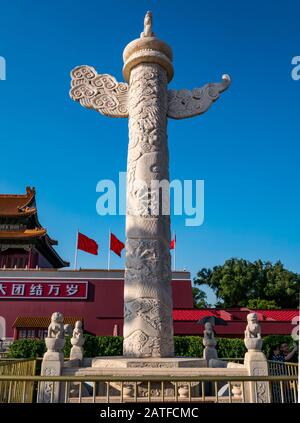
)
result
[(43, 289)]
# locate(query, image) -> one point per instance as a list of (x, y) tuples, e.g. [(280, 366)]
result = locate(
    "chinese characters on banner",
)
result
[(41, 289)]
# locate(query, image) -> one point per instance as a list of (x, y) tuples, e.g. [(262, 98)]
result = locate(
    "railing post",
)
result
[(255, 361), (52, 365), (257, 365)]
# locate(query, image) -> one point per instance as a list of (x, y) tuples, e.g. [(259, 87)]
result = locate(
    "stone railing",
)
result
[(211, 388)]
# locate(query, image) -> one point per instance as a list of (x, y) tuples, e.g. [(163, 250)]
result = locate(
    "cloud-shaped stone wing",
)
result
[(101, 92), (183, 104)]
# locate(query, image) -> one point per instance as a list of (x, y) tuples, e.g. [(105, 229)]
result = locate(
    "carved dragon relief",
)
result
[(185, 103), (101, 92)]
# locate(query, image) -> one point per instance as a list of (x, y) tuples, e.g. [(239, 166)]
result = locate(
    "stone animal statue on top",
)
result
[(253, 329), (78, 332), (77, 342), (209, 343), (209, 336), (147, 26), (208, 331), (253, 340), (56, 327)]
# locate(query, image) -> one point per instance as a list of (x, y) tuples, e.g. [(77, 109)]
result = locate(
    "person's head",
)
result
[(284, 347), (276, 350)]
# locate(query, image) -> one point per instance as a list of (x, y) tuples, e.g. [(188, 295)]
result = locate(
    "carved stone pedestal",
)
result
[(52, 365), (257, 365), (142, 367), (76, 352), (210, 353), (146, 363)]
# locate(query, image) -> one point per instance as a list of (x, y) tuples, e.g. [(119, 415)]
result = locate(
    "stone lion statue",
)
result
[(68, 329), (208, 331), (209, 340), (56, 327), (253, 328), (78, 332)]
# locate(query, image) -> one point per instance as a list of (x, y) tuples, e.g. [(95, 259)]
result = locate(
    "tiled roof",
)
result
[(268, 315), (27, 233), (279, 315), (42, 322), (192, 314), (13, 205)]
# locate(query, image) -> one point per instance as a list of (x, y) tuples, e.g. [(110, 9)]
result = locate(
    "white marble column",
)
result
[(145, 99), (148, 325)]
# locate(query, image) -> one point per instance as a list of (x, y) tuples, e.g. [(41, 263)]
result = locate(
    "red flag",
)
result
[(172, 243), (87, 244), (116, 245)]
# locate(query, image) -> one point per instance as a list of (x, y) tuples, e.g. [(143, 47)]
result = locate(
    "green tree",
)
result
[(239, 281), (199, 298), (258, 303)]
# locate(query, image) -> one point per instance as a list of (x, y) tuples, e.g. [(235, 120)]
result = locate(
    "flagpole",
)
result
[(174, 251), (108, 260), (76, 251)]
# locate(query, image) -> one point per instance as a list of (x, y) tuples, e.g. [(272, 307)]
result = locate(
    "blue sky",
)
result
[(246, 147)]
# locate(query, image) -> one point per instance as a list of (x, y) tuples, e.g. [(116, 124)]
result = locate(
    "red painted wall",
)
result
[(104, 306), (100, 311)]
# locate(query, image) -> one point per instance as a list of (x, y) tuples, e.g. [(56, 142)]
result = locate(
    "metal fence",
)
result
[(285, 390), (19, 384), (121, 389)]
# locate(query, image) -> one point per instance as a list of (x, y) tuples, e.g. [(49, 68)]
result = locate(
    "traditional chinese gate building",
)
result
[(24, 242)]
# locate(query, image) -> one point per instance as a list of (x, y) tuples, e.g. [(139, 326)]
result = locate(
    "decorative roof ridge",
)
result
[(30, 192), (27, 208), (52, 242), (28, 198), (39, 232)]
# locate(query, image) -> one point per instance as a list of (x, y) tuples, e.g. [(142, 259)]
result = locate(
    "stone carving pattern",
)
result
[(184, 103), (145, 364), (48, 386), (100, 92), (148, 325), (261, 387)]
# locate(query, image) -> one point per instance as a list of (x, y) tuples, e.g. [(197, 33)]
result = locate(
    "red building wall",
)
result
[(103, 307)]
